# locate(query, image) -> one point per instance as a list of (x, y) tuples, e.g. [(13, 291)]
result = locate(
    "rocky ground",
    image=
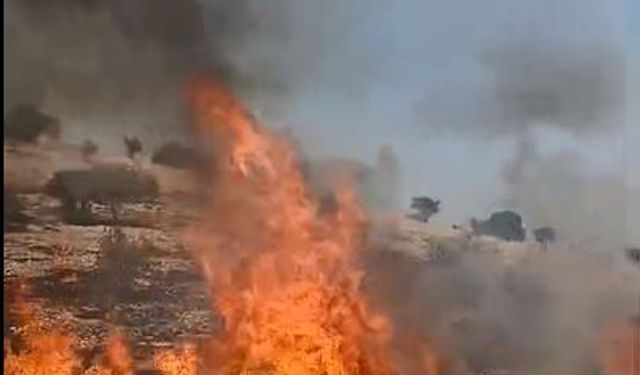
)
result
[(138, 274), (135, 274)]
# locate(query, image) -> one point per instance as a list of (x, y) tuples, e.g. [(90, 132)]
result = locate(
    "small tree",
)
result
[(119, 262), (424, 207)]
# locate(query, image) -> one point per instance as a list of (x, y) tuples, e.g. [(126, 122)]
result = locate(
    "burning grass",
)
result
[(35, 348), (39, 350), (184, 361), (120, 261), (284, 273), (285, 276)]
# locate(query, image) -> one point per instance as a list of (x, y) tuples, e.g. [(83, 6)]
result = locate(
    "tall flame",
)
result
[(284, 276), (284, 273)]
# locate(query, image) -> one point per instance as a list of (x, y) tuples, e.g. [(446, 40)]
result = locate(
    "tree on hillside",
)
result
[(424, 208)]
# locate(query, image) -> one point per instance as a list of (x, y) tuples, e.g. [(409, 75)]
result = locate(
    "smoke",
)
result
[(543, 313), (568, 88), (108, 68), (588, 211), (543, 73), (348, 74), (576, 87), (104, 68), (365, 70)]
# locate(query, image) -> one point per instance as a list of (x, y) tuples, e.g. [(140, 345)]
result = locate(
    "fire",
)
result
[(619, 350), (284, 277), (42, 351), (182, 362), (46, 351), (284, 274)]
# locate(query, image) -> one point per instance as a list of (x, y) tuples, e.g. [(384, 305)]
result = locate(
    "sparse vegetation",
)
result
[(120, 259), (96, 279), (61, 255)]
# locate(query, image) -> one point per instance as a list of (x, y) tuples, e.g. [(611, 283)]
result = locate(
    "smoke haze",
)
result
[(484, 104), (543, 314), (443, 84)]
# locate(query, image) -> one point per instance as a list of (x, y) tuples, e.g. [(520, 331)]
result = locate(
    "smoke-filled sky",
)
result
[(492, 104)]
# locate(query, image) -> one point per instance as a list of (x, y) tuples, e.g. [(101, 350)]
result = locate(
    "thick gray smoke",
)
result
[(548, 74), (589, 211), (545, 314), (572, 86), (350, 75), (108, 68), (579, 88), (100, 55)]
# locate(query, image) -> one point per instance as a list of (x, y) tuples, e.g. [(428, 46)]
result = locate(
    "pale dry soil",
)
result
[(157, 296)]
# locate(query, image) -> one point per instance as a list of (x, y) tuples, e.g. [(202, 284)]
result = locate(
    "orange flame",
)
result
[(53, 352), (46, 351), (182, 362), (284, 277), (618, 349)]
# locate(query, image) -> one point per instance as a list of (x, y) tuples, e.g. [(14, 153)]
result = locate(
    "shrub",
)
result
[(25, 123), (119, 262)]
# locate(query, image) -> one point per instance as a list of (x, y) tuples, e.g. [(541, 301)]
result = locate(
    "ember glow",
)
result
[(284, 277)]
